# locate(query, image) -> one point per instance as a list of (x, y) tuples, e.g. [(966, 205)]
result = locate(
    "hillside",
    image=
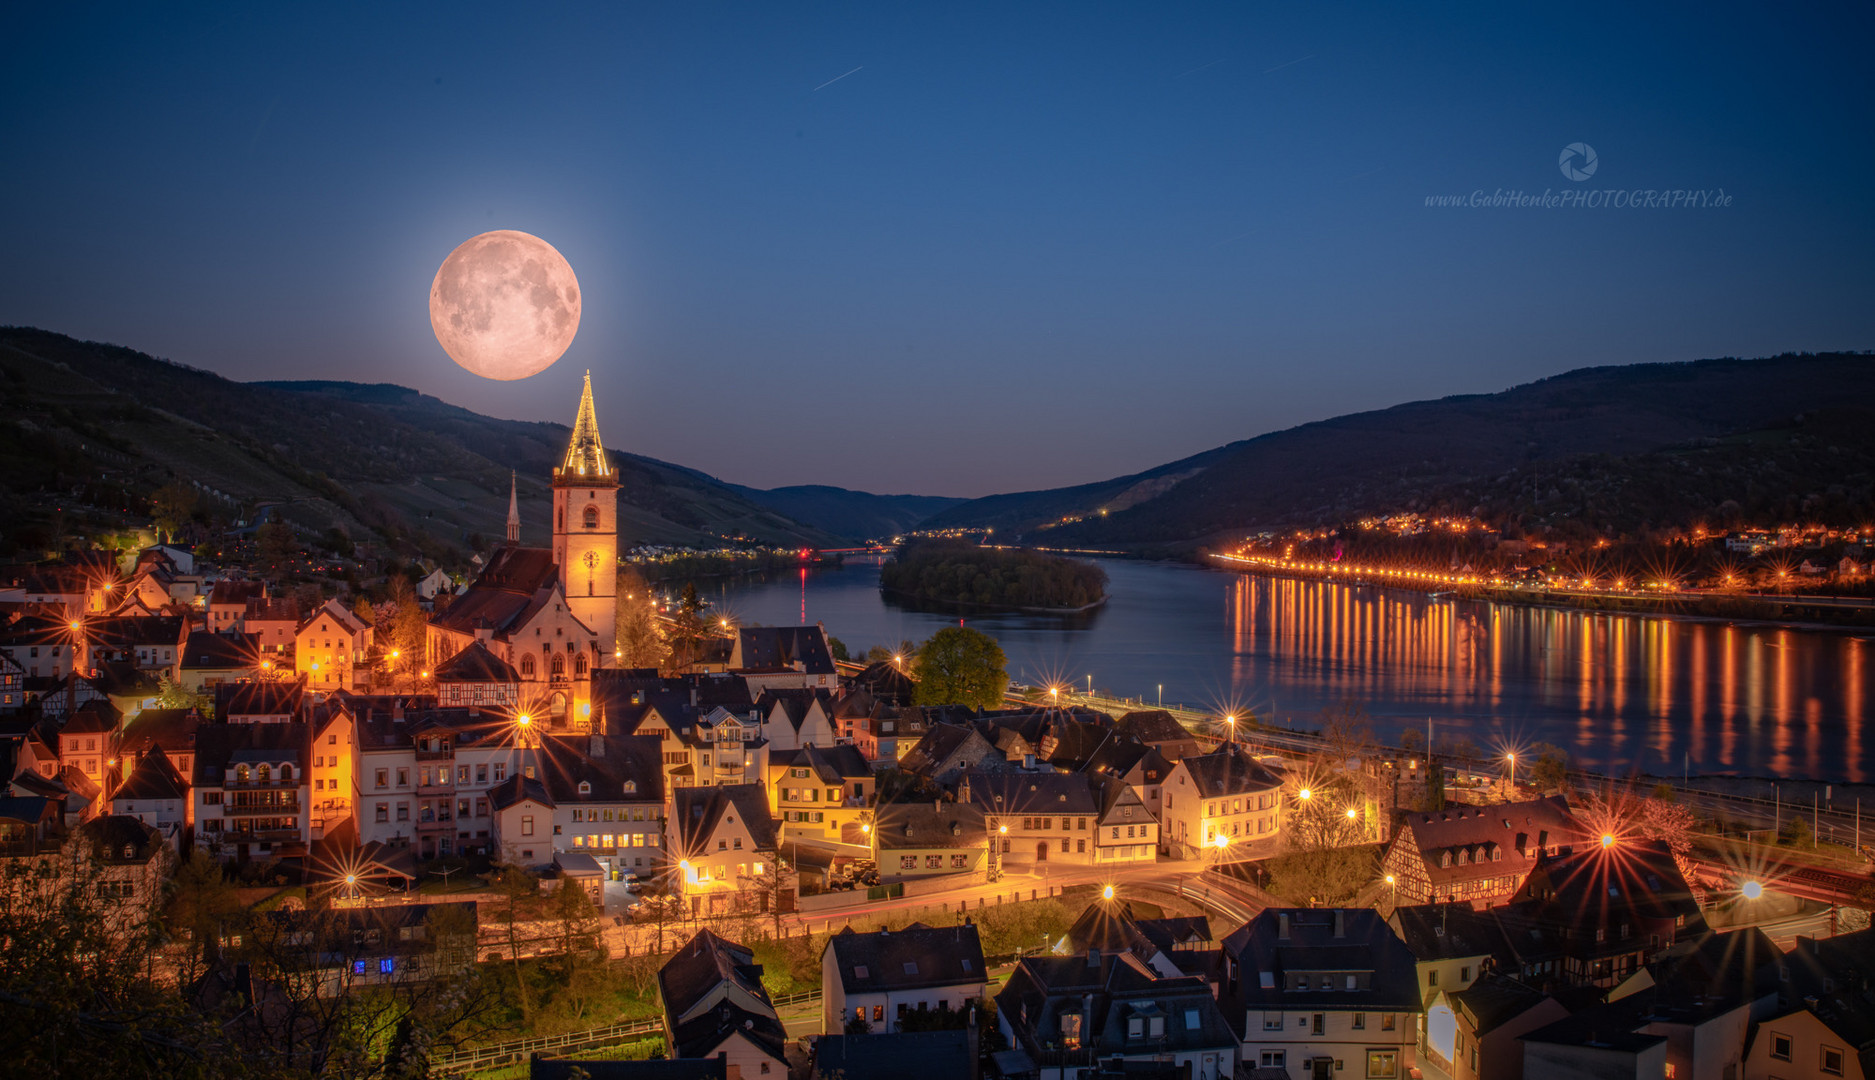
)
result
[(1599, 449), (96, 428), (857, 514)]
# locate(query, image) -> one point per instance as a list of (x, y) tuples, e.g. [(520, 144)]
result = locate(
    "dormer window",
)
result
[(585, 787), (631, 787)]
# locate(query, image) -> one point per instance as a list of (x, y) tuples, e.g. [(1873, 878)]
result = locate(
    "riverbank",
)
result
[(956, 607), (682, 568), (1795, 612)]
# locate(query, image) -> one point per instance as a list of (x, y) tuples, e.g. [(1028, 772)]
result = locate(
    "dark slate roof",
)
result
[(1366, 944), (155, 778), (885, 681), (1446, 931), (1178, 932), (1022, 793), (1109, 926), (262, 697), (1634, 880), (785, 647), (1153, 725), (914, 958), (218, 746), (908, 1055), (702, 1035), (831, 764), (1117, 987), (1472, 834), (133, 631), (927, 825), (699, 810), (1586, 1031), (476, 664), (516, 788), (206, 650), (1495, 1000), (516, 582), (279, 609), (114, 835), (94, 717), (655, 1069), (704, 962), (1230, 770), (940, 744), (606, 764), (233, 592)]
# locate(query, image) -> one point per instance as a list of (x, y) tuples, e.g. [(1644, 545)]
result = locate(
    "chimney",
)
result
[(693, 695), (1282, 927), (1341, 923), (397, 710), (595, 744)]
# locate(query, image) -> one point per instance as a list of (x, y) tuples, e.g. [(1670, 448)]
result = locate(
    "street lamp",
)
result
[(1608, 841), (1305, 794), (1231, 720), (1751, 890), (1512, 758)]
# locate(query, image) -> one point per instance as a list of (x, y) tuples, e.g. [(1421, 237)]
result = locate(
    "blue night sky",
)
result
[(1017, 246)]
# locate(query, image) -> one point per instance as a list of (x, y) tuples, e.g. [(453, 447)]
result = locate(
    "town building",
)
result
[(1042, 817), (875, 980), (332, 649), (819, 791), (1472, 1034), (1612, 909), (716, 1007), (725, 842), (1225, 800), (1322, 992), (251, 790), (1067, 1014), (155, 794), (783, 658), (794, 718), (208, 660), (928, 839), (1477, 854), (585, 527)]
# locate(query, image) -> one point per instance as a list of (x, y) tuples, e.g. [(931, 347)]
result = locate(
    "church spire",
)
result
[(585, 455), (514, 511)]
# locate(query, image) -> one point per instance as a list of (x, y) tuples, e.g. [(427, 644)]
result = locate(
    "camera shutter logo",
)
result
[(1577, 161)]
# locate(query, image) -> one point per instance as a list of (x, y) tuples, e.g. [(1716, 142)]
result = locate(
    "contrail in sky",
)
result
[(833, 80), (1291, 63)]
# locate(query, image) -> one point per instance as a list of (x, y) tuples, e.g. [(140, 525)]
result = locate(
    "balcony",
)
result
[(259, 836), (436, 823), (290, 809), (229, 783)]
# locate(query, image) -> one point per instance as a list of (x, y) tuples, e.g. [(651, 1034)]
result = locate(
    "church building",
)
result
[(549, 613)]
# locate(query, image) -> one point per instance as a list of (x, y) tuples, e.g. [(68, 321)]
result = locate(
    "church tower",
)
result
[(585, 526)]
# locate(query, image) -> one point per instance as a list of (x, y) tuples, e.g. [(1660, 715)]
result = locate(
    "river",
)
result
[(1623, 693)]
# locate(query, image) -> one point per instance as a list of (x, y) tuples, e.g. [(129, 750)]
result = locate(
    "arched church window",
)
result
[(579, 666), (559, 666), (527, 666), (592, 517)]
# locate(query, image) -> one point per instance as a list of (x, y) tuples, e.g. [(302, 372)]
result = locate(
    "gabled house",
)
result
[(251, 790), (1453, 945), (725, 842), (876, 980), (928, 839), (818, 791), (1309, 987), (1472, 1034), (783, 657), (1477, 854), (208, 660), (477, 678), (88, 741), (1043, 817), (273, 622), (794, 718), (1612, 909), (945, 751), (1068, 1014), (130, 862), (155, 794), (715, 1006), (150, 644), (1126, 831), (1161, 731), (262, 701), (332, 649), (1225, 795), (227, 603)]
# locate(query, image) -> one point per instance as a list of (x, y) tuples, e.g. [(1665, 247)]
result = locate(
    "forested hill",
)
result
[(958, 572), (1599, 449), (92, 430)]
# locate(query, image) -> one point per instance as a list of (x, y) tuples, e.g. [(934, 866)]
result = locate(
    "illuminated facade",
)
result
[(585, 525)]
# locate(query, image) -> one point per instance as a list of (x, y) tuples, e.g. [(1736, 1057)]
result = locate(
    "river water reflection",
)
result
[(1621, 692)]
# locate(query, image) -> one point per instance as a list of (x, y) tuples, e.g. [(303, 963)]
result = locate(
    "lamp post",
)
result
[(1511, 757)]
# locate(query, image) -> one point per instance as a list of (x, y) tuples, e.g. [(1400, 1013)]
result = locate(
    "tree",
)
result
[(961, 666), (640, 641), (202, 904), (520, 895), (173, 505), (277, 547), (838, 649), (1328, 877), (406, 637), (1549, 769), (580, 967)]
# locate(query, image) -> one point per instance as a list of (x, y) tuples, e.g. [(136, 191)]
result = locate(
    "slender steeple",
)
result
[(514, 511), (585, 454)]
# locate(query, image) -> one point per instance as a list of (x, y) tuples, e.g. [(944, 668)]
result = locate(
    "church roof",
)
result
[(585, 454)]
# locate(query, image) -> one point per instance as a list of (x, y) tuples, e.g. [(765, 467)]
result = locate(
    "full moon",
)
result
[(505, 305)]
